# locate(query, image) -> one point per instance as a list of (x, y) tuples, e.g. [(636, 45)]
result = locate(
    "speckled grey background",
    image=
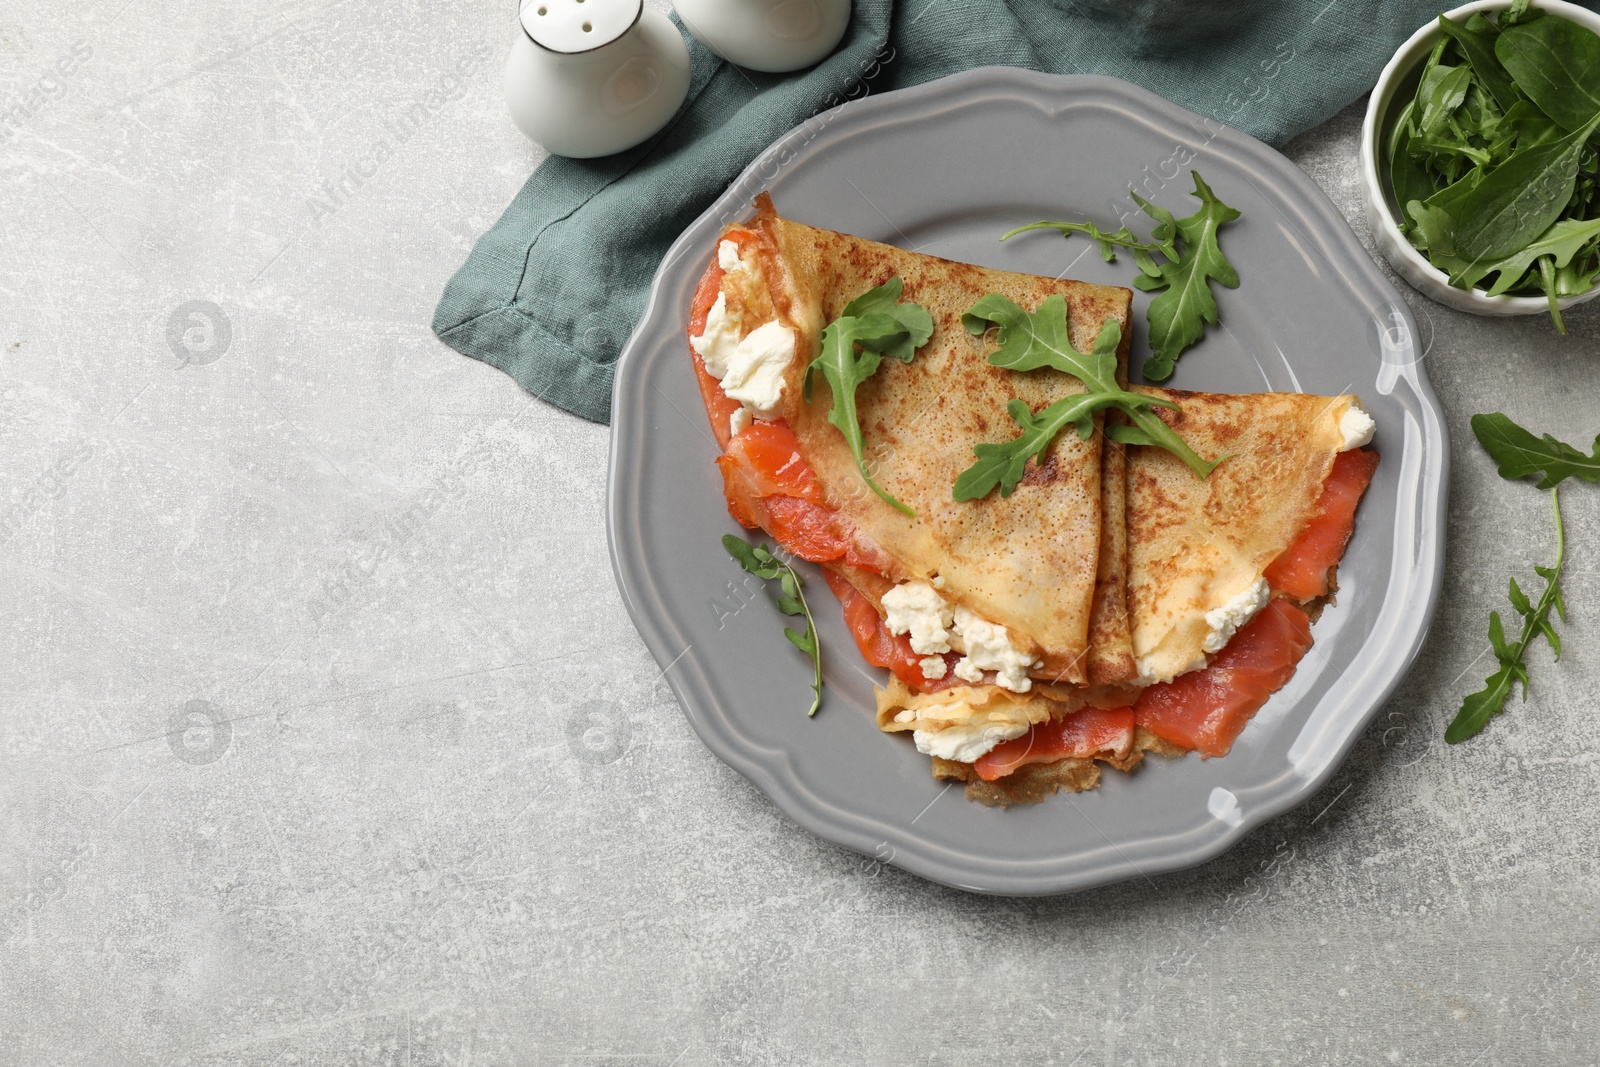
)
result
[(324, 738)]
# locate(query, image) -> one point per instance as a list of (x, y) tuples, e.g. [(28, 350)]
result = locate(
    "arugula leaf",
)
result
[(1108, 242), (1559, 244), (1178, 316), (880, 325), (1433, 230), (1031, 340), (1519, 12), (760, 561), (913, 318), (1442, 90), (1408, 175), (1003, 465), (1478, 708), (1477, 42), (1520, 454), (1556, 62), (1493, 152), (1520, 198)]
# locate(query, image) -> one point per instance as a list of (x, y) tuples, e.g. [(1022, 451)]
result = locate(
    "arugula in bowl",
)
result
[(1493, 162)]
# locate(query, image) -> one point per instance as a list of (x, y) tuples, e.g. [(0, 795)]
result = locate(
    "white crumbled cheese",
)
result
[(988, 648), (728, 256), (1226, 620), (738, 421), (965, 742), (756, 368), (1357, 427), (719, 340), (1148, 675), (917, 609), (905, 716), (914, 608)]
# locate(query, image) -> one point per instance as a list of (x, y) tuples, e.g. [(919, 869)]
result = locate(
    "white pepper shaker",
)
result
[(588, 78), (767, 35)]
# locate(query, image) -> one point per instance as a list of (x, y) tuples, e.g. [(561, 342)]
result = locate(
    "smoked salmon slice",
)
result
[(881, 648), (719, 406), (768, 455), (1080, 735), (1205, 710), (1303, 570)]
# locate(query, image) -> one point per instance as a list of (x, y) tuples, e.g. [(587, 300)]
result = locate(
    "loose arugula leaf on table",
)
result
[(1031, 340), (879, 324), (1478, 708), (1520, 454), (761, 562), (1178, 316)]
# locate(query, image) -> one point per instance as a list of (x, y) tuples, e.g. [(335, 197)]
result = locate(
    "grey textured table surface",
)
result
[(446, 814)]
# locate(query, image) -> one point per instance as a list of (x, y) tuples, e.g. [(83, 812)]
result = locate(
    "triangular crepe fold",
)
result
[(1028, 562)]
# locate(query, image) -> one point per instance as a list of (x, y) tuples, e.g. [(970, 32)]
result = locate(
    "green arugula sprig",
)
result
[(1480, 707), (1190, 260), (1493, 163), (875, 324), (1108, 242), (1179, 315), (1520, 454), (1031, 340), (760, 561)]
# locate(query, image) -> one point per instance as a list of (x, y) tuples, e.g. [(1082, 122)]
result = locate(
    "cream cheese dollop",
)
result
[(719, 339), (755, 373), (916, 608), (988, 648), (1357, 428), (1225, 621), (964, 742)]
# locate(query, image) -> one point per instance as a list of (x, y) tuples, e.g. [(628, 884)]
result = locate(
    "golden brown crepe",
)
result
[(1196, 545), (1029, 562), (1115, 565), (1193, 546)]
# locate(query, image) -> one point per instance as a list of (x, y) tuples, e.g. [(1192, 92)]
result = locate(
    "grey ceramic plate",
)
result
[(945, 168)]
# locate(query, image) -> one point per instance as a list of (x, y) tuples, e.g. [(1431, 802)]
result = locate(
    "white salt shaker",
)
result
[(591, 77), (767, 35)]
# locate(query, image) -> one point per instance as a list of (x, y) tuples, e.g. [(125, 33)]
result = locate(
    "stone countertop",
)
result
[(326, 738)]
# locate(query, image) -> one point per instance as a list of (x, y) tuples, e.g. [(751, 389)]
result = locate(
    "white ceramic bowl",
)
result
[(1412, 265)]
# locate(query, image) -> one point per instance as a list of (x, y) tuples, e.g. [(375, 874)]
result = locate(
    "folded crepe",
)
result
[(1031, 562), (1115, 567), (1199, 549), (1206, 558)]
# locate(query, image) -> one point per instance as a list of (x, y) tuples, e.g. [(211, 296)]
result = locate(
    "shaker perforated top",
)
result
[(572, 26)]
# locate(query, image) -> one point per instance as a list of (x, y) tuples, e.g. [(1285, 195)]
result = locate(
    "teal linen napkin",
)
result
[(551, 292)]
